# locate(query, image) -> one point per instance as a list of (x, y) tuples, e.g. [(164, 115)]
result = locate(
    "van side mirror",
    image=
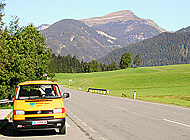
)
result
[(66, 95), (10, 97)]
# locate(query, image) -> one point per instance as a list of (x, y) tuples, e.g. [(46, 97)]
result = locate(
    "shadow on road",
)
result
[(7, 130)]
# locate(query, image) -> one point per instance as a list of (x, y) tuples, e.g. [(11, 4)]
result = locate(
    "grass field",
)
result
[(164, 84)]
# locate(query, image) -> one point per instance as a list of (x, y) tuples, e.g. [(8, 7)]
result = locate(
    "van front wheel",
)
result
[(62, 130)]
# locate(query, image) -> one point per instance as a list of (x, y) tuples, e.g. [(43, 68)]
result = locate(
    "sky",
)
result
[(170, 15)]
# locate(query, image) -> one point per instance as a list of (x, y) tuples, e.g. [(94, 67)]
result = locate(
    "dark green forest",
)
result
[(184, 29), (70, 64), (163, 49)]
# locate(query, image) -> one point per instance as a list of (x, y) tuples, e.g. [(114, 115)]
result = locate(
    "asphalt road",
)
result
[(103, 117), (100, 117)]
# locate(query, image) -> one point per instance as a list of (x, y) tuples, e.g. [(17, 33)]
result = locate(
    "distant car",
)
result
[(39, 105)]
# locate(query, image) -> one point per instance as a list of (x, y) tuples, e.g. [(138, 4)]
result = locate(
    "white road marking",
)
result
[(84, 123), (102, 138), (108, 103), (69, 111), (79, 120), (186, 125), (113, 105), (91, 129), (121, 108)]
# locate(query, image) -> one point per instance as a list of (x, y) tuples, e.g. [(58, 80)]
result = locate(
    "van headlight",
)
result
[(59, 110), (18, 112)]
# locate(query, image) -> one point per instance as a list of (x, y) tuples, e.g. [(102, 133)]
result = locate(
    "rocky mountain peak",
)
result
[(113, 17), (122, 14), (43, 27)]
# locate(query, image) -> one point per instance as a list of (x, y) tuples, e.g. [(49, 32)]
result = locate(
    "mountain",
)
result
[(184, 29), (93, 38), (163, 49), (43, 27), (76, 38), (125, 25)]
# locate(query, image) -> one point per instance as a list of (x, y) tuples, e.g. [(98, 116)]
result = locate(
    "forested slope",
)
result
[(163, 49)]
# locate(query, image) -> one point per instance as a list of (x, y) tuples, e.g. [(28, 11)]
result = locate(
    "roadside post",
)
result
[(107, 91), (135, 95), (70, 80)]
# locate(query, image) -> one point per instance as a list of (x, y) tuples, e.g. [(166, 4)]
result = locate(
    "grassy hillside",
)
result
[(166, 84)]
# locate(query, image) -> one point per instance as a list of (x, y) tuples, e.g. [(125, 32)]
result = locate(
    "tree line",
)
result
[(23, 55), (70, 64)]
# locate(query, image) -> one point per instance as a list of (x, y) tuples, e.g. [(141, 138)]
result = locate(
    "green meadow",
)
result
[(163, 84)]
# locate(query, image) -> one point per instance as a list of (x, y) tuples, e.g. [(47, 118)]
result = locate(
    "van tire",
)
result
[(62, 130)]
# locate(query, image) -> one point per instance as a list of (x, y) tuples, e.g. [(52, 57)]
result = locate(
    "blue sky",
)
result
[(171, 15)]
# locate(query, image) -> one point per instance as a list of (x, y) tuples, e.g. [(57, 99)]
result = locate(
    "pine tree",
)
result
[(113, 66), (137, 60), (126, 60)]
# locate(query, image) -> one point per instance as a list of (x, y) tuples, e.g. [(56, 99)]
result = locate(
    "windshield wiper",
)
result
[(34, 98)]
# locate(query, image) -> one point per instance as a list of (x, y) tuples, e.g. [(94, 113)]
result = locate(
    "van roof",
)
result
[(36, 82)]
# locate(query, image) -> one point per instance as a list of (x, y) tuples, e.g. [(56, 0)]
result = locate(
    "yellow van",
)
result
[(39, 105)]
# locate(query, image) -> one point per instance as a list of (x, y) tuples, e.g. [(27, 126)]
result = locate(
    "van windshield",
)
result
[(37, 91)]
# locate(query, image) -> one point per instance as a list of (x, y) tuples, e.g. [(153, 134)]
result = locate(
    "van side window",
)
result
[(17, 92), (56, 89)]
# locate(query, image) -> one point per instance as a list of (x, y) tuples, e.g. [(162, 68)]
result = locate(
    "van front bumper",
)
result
[(29, 125)]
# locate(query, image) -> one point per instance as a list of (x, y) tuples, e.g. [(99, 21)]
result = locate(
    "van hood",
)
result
[(38, 104)]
